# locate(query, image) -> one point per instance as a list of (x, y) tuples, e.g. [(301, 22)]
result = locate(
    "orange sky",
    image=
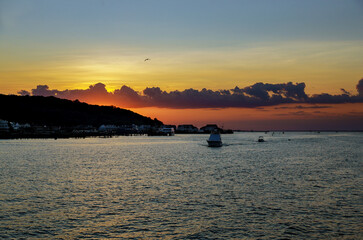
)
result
[(292, 116), (330, 116)]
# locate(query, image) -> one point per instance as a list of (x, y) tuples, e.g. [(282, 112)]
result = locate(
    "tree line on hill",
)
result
[(52, 111)]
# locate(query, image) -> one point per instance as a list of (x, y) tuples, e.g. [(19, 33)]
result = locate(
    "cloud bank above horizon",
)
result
[(257, 95)]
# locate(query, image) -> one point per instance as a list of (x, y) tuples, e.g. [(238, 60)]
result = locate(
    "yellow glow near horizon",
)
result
[(324, 67)]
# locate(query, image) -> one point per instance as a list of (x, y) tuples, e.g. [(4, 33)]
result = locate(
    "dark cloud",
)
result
[(23, 93), (360, 87), (256, 95), (299, 113), (285, 90), (345, 91), (43, 90), (94, 91), (280, 114), (303, 107), (328, 98)]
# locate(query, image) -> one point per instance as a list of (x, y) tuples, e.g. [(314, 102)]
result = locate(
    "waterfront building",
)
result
[(170, 126), (107, 128), (4, 126), (209, 128), (187, 128)]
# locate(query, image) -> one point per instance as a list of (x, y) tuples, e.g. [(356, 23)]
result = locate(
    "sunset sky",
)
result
[(95, 51)]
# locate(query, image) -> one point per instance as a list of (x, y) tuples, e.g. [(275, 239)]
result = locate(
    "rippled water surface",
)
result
[(293, 186)]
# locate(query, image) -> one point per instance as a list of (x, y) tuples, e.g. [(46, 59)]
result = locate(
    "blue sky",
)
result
[(179, 24)]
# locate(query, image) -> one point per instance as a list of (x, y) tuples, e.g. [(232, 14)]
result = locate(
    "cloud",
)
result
[(43, 90), (327, 98), (360, 87), (299, 113), (287, 90), (256, 95), (96, 91), (23, 93), (345, 91), (303, 107)]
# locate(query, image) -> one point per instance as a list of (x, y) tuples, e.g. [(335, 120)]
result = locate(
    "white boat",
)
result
[(215, 139)]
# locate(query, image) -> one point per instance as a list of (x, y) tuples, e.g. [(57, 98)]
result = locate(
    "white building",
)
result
[(209, 128), (167, 131), (4, 126), (187, 128), (15, 126), (144, 128), (107, 128)]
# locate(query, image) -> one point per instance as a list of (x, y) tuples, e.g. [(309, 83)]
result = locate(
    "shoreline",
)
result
[(55, 136)]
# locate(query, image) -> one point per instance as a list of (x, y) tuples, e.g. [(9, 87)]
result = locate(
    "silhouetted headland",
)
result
[(51, 117), (37, 117)]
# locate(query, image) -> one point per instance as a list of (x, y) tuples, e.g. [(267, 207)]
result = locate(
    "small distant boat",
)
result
[(215, 139), (260, 139)]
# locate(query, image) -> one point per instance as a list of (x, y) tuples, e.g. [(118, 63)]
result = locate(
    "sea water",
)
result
[(293, 186)]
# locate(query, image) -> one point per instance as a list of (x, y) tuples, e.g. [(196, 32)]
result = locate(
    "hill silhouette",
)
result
[(52, 111)]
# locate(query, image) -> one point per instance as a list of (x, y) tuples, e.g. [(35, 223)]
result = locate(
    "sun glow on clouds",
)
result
[(261, 102)]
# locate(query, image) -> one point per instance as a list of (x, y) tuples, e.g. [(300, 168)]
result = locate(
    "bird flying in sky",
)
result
[(147, 59)]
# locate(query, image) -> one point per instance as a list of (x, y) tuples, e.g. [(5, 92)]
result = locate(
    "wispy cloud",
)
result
[(257, 95), (303, 107)]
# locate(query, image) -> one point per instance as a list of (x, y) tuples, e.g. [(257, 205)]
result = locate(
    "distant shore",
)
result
[(64, 135), (16, 135), (71, 135), (282, 131)]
